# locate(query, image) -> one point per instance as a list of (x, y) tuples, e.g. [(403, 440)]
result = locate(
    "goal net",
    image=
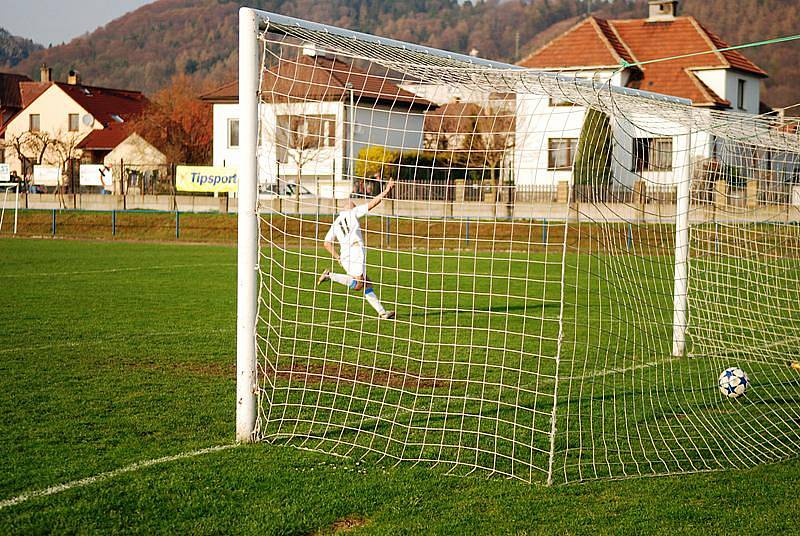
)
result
[(572, 265)]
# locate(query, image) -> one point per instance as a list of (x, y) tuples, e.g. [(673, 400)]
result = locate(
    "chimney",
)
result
[(45, 73), (662, 10), (74, 77)]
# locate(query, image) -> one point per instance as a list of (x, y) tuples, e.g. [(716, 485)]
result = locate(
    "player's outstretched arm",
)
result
[(378, 198)]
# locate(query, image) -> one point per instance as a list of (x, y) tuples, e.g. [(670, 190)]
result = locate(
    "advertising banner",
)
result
[(206, 179), (5, 173), (46, 175), (96, 175)]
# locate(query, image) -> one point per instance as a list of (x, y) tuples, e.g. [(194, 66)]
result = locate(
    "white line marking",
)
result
[(107, 340), (115, 270), (609, 372), (109, 474), (347, 321)]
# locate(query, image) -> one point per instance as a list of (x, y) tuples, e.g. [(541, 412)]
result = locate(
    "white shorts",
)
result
[(355, 262)]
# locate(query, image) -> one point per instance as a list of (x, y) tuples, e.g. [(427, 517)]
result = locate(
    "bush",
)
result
[(593, 159)]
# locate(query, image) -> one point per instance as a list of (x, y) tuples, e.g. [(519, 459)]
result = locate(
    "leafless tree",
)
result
[(301, 138), (474, 135)]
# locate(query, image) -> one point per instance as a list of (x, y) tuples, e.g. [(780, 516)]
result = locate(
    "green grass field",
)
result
[(116, 353)]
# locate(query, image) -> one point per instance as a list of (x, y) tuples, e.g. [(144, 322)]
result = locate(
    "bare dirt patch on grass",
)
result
[(340, 526)]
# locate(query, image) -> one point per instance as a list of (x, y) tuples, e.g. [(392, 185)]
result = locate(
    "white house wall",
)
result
[(398, 130), (725, 83), (537, 122), (53, 107), (440, 94), (223, 155), (687, 148), (322, 161), (327, 169), (137, 152)]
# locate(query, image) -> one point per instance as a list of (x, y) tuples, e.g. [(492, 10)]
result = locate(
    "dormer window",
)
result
[(740, 94)]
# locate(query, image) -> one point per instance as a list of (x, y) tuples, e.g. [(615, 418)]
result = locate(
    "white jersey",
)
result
[(346, 229)]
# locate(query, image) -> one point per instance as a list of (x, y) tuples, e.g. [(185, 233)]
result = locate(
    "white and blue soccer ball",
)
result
[(733, 382)]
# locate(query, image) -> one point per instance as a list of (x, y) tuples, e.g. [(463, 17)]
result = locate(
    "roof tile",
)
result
[(585, 44), (10, 95), (322, 78), (106, 105), (106, 139)]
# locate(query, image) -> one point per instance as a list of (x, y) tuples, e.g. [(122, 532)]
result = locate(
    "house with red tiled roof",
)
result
[(119, 144), (724, 80), (318, 113), (58, 124), (623, 51)]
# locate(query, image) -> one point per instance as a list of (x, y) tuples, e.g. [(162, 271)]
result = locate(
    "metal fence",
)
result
[(434, 190)]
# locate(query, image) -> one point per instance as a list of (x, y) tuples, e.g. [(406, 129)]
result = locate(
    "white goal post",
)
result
[(572, 264), (247, 252), (9, 189)]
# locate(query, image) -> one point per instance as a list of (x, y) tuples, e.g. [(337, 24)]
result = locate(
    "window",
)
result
[(233, 133), (652, 154), (561, 153), (73, 122), (740, 94), (307, 131), (34, 123)]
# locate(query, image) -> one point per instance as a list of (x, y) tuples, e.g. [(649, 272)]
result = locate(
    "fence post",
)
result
[(53, 226), (122, 181), (177, 224), (630, 236), (544, 232), (174, 184), (113, 223), (467, 231)]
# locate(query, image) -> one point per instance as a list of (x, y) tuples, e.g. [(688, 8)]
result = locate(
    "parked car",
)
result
[(283, 189)]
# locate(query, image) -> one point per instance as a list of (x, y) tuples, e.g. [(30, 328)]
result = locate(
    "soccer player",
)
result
[(346, 229)]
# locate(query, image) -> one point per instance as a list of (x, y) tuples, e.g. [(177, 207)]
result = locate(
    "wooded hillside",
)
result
[(15, 49), (146, 48)]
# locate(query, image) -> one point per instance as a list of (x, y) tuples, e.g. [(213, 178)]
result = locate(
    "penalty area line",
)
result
[(52, 490), (612, 371), (120, 270)]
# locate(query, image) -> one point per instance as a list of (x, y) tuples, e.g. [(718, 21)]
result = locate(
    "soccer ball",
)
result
[(733, 382)]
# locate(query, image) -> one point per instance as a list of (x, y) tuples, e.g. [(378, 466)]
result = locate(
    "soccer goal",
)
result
[(587, 281), (10, 201)]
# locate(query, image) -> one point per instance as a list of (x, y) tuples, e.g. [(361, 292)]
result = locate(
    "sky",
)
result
[(59, 21)]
